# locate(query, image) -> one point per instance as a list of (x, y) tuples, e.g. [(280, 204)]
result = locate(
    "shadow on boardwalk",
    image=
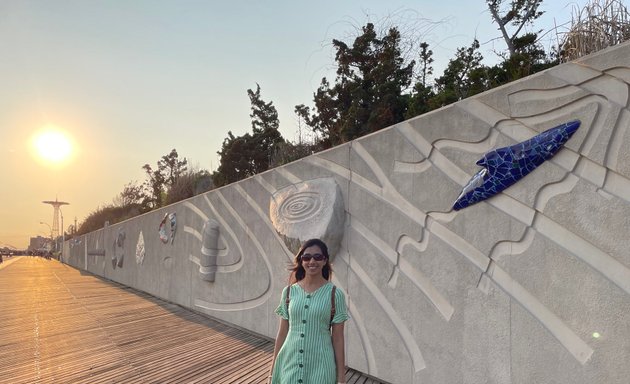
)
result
[(62, 325)]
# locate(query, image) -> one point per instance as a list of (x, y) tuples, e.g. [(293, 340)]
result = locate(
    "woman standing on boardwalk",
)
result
[(309, 347)]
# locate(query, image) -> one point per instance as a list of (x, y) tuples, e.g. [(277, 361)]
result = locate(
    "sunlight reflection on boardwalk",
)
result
[(58, 325), (61, 325)]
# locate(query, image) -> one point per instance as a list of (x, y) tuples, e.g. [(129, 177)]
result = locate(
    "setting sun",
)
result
[(52, 146)]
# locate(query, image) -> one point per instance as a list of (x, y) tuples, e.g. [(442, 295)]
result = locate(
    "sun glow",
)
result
[(52, 145)]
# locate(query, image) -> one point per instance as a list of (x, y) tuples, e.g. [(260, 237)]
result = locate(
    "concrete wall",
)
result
[(530, 286)]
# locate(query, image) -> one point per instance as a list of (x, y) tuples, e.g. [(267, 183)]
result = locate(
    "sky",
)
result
[(127, 81)]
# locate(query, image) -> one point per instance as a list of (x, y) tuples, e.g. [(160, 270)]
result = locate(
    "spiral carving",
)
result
[(300, 206), (309, 209)]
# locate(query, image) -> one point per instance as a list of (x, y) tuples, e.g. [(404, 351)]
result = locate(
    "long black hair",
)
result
[(297, 269)]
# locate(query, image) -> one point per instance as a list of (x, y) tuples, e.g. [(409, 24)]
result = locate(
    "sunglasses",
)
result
[(317, 257)]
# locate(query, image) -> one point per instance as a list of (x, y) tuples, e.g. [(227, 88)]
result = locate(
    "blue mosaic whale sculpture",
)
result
[(505, 166)]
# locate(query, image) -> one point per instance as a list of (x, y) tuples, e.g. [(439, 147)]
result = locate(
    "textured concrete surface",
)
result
[(529, 286)]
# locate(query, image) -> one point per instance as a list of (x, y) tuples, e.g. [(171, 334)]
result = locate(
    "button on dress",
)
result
[(307, 355)]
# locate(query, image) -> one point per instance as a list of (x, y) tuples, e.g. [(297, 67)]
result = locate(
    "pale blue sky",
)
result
[(130, 80)]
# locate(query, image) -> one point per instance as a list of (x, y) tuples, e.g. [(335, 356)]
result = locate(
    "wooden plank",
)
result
[(61, 325)]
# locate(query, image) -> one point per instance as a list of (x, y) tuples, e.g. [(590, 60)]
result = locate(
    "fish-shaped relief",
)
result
[(172, 217), (162, 229), (505, 166), (168, 227)]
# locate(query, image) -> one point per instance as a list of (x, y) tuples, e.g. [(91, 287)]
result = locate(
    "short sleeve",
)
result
[(282, 308), (341, 309)]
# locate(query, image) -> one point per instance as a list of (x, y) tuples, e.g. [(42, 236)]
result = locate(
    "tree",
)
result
[(169, 168), (132, 194), (249, 154), (368, 93), (324, 120), (234, 159), (264, 115), (265, 135), (463, 77), (422, 92), (525, 54), (518, 13), (154, 186), (426, 59), (529, 58), (171, 182)]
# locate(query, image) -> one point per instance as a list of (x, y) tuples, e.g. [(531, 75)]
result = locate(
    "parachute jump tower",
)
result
[(55, 226)]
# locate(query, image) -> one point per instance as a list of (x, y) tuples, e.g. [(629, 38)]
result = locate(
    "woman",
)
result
[(309, 347)]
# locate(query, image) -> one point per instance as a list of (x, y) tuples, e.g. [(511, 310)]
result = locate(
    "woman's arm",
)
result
[(283, 330), (339, 349)]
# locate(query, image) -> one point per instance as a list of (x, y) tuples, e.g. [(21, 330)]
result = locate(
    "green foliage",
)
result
[(169, 169), (154, 186), (464, 76), (234, 156), (132, 194), (518, 14), (529, 58), (264, 115), (163, 186), (367, 94), (426, 59), (249, 154), (375, 87), (420, 101)]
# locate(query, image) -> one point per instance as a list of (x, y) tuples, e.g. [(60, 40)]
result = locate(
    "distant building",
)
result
[(39, 243)]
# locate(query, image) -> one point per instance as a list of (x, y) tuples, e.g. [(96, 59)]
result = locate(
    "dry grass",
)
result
[(187, 185), (600, 24)]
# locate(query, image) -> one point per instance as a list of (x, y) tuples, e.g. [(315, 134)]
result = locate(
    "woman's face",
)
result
[(312, 266)]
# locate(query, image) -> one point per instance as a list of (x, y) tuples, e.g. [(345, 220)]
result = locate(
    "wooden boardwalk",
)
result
[(62, 325)]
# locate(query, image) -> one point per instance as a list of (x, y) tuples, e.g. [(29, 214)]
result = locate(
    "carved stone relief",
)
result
[(140, 249), (309, 209), (119, 250), (209, 250)]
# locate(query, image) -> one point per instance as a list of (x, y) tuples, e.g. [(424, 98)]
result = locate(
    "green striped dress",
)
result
[(307, 356)]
